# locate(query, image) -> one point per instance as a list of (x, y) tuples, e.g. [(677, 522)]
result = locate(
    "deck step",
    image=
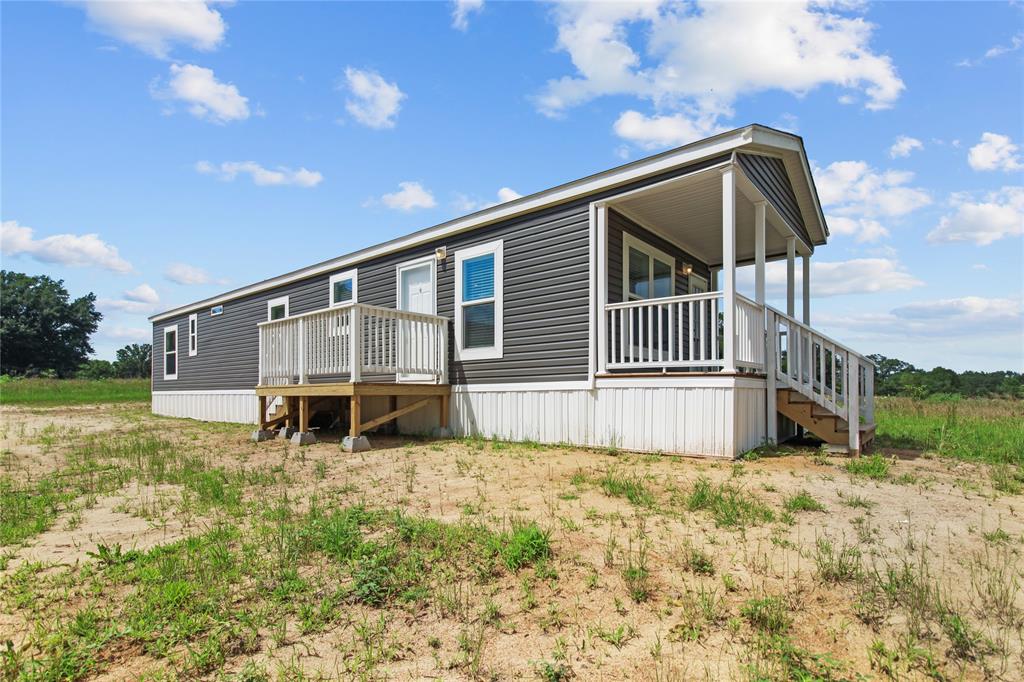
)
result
[(823, 423)]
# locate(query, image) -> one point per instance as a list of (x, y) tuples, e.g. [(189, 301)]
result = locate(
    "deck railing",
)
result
[(352, 340), (683, 332)]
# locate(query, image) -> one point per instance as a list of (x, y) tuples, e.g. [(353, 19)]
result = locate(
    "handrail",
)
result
[(809, 328), (666, 299), (350, 304)]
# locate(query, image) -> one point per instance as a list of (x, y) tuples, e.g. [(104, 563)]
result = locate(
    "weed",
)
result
[(632, 487), (768, 614), (836, 564), (730, 506), (801, 502), (874, 467)]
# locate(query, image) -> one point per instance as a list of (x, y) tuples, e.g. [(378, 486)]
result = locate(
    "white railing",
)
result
[(683, 332), (821, 369), (350, 340)]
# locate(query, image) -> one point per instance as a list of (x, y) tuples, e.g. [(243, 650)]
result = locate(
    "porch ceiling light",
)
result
[(685, 269)]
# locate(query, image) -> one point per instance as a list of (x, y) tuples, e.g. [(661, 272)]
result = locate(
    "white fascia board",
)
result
[(712, 146)]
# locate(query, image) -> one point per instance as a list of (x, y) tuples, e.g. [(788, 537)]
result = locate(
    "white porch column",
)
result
[(791, 276), (759, 216), (729, 269), (806, 288)]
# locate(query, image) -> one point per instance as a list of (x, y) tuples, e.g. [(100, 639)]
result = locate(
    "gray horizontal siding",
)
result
[(546, 311), (769, 175)]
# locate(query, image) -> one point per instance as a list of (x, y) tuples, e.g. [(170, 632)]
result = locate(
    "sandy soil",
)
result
[(939, 510)]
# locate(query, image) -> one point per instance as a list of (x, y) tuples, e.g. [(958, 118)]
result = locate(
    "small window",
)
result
[(650, 272), (277, 308), (698, 285), (171, 353), (343, 288), (193, 335), (479, 301), (216, 310)]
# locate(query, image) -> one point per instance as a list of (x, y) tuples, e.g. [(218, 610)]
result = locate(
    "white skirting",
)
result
[(716, 417), (212, 406)]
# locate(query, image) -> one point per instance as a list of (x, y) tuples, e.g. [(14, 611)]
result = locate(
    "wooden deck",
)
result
[(301, 399)]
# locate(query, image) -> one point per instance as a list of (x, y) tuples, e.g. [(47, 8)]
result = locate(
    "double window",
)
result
[(277, 308), (649, 272), (479, 301), (193, 335), (343, 288), (171, 353)]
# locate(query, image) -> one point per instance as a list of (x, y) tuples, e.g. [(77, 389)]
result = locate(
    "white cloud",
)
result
[(994, 152), (903, 146), (281, 175), (964, 316), (85, 250), (861, 229), (700, 57), (467, 204), (855, 189), (838, 278), (652, 132), (183, 273), (409, 197), (1016, 42), (206, 97), (979, 266), (141, 299), (999, 214), (461, 9), (374, 102), (153, 26), (122, 333)]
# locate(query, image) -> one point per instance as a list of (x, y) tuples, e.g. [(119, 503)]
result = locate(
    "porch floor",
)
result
[(295, 410)]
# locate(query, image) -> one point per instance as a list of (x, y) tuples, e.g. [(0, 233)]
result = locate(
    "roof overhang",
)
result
[(753, 137)]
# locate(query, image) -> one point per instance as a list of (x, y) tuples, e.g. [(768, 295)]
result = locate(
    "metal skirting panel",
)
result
[(704, 421), (240, 407)]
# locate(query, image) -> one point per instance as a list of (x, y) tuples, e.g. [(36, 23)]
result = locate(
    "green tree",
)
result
[(134, 360), (41, 328), (96, 369)]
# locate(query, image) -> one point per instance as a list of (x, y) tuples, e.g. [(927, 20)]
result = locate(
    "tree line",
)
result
[(44, 332), (896, 377)]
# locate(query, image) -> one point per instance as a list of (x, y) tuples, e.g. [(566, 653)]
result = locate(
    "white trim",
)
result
[(171, 377), (631, 241), (245, 391), (348, 274), (654, 381), (595, 311), (601, 231), (431, 261), (637, 170), (193, 334), (496, 351), (274, 302)]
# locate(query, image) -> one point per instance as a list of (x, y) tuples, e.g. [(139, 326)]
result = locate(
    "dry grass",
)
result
[(169, 549)]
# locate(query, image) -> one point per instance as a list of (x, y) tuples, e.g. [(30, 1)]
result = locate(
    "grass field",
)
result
[(73, 391), (141, 547)]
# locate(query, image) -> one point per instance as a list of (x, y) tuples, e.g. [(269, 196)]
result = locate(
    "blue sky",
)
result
[(204, 146)]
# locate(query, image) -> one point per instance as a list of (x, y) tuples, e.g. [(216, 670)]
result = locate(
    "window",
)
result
[(698, 285), (479, 301), (650, 273), (193, 335), (277, 308), (216, 310), (343, 288), (171, 352)]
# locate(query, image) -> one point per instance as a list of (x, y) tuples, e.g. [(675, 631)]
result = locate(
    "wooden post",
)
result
[(444, 411), (263, 412), (354, 417), (289, 403), (729, 269), (304, 413)]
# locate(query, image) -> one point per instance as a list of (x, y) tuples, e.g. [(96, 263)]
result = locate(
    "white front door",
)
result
[(416, 295)]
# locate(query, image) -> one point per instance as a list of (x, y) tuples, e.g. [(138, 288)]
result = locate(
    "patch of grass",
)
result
[(632, 487), (729, 505), (836, 564), (768, 615), (874, 467), (73, 391), (802, 501), (698, 561), (1006, 478), (976, 429), (524, 544)]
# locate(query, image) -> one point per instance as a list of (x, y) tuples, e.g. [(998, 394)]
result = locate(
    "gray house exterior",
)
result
[(596, 343)]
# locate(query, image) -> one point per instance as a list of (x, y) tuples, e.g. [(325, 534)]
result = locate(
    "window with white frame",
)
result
[(647, 272), (171, 352), (343, 288), (479, 301), (277, 308), (193, 335)]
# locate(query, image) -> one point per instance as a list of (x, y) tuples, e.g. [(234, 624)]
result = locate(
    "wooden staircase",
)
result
[(822, 422)]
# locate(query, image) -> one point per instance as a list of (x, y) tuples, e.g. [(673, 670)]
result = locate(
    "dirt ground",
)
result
[(939, 517)]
